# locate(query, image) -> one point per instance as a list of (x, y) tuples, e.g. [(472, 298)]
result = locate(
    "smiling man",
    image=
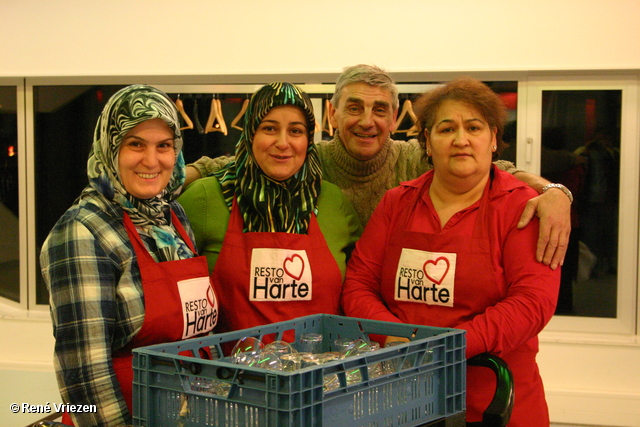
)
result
[(364, 119), (362, 159)]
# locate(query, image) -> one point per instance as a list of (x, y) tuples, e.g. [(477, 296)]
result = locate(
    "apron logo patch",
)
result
[(199, 306), (434, 268), (279, 275), (425, 277), (294, 266)]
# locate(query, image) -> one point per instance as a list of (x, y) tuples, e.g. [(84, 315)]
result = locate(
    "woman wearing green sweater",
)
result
[(276, 236)]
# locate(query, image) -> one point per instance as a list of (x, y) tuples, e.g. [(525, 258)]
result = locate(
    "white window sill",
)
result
[(11, 312)]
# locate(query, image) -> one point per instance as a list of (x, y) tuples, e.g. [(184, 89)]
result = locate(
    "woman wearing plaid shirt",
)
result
[(120, 264)]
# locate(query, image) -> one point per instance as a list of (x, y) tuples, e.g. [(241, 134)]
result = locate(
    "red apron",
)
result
[(179, 303), (262, 277), (444, 280)]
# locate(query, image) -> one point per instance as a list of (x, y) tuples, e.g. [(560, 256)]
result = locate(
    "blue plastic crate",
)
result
[(428, 383)]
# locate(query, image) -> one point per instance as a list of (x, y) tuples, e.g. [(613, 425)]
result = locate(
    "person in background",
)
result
[(445, 249), (599, 205), (364, 162), (277, 237), (563, 166), (120, 264)]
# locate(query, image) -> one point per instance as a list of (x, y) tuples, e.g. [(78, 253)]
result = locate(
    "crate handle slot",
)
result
[(242, 375), (195, 368), (155, 361), (224, 373)]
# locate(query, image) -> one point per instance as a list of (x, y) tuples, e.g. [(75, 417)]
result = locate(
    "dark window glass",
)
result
[(65, 118), (9, 232), (581, 149)]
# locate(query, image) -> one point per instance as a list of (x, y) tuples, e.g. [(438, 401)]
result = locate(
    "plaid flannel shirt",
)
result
[(97, 305)]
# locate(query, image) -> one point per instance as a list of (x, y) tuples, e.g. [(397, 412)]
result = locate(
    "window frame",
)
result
[(625, 324), (23, 231)]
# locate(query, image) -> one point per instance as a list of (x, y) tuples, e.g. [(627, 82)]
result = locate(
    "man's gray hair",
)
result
[(369, 74)]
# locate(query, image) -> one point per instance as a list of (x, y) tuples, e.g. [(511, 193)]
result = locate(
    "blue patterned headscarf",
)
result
[(268, 205), (126, 109)]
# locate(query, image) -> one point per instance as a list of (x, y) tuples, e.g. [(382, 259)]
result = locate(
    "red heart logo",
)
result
[(294, 266), (211, 296), (434, 267)]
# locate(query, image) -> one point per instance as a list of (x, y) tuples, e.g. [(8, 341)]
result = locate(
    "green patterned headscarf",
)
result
[(268, 205), (126, 109)]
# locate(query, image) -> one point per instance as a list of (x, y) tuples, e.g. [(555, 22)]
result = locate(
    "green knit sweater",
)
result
[(365, 182)]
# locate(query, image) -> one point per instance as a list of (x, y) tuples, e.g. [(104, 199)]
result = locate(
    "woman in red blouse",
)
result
[(445, 249)]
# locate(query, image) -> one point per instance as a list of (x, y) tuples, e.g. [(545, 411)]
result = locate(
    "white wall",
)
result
[(26, 365), (165, 37), (586, 383)]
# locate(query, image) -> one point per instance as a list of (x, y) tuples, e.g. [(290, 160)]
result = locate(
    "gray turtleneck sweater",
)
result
[(364, 182)]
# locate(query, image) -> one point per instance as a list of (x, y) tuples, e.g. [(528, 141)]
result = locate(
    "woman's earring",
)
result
[(494, 148)]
